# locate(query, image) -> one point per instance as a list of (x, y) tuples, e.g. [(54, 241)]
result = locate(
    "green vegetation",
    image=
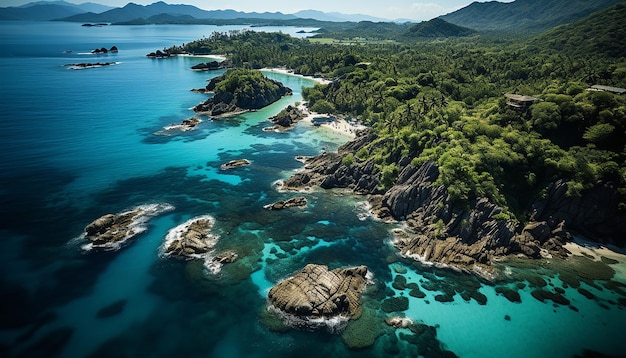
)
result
[(524, 15), (442, 101)]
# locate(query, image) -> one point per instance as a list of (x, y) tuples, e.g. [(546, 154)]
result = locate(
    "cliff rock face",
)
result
[(594, 214), (316, 292), (440, 232), (328, 171), (249, 95)]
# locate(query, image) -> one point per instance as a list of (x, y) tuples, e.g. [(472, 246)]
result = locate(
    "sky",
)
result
[(387, 9)]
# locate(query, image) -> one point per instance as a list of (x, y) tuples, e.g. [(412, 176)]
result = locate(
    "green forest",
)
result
[(442, 99)]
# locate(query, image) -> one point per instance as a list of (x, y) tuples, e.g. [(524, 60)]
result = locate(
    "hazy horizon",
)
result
[(391, 9)]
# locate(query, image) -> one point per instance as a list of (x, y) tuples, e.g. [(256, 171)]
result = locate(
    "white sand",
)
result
[(220, 58)]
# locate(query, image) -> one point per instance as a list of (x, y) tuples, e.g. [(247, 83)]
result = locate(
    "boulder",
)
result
[(193, 240), (111, 229), (316, 292)]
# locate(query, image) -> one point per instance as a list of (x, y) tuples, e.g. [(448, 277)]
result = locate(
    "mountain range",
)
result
[(91, 12), (524, 15)]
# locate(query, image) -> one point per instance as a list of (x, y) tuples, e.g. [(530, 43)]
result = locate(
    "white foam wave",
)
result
[(333, 324), (176, 234)]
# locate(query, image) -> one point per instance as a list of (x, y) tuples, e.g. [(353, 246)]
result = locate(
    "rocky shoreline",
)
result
[(470, 236)]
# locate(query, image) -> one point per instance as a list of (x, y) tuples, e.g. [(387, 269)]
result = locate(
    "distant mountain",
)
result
[(42, 12), (602, 33), (437, 28), (524, 15), (132, 12), (84, 7), (336, 16)]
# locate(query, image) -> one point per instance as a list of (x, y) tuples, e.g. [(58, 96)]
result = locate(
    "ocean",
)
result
[(76, 144)]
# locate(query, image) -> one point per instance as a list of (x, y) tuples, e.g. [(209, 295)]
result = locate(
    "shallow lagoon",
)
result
[(76, 144)]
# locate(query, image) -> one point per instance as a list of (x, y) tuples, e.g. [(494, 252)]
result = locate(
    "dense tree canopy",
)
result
[(443, 100)]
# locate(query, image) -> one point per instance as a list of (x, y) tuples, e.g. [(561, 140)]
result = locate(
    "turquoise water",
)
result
[(76, 144)]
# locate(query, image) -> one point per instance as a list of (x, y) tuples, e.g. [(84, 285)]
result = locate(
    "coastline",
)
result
[(285, 71), (340, 126)]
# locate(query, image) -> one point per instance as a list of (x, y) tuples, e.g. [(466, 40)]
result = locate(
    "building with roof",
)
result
[(603, 88), (520, 102)]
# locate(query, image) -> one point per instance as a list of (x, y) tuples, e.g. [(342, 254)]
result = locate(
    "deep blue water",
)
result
[(76, 144)]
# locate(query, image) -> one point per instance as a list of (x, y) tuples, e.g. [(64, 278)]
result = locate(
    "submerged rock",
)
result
[(296, 202), (235, 164), (315, 292)]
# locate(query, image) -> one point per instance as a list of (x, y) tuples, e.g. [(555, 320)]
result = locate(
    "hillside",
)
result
[(524, 15), (602, 33), (437, 28)]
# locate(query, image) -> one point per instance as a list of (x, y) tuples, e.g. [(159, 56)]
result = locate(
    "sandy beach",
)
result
[(289, 72), (582, 247), (339, 125), (219, 58)]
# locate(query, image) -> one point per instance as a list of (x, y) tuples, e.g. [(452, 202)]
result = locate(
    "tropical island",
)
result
[(240, 90)]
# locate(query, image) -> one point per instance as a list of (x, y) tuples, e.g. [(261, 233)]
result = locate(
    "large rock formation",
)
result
[(243, 92), (593, 214), (110, 231), (328, 170), (192, 239), (468, 235), (316, 292), (212, 65)]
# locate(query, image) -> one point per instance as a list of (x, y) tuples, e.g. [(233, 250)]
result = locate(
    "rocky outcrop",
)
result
[(297, 202), (287, 118), (438, 231), (235, 164), (191, 240), (593, 214), (77, 66), (194, 240), (251, 93), (212, 65), (110, 231), (329, 170), (316, 292), (159, 54)]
